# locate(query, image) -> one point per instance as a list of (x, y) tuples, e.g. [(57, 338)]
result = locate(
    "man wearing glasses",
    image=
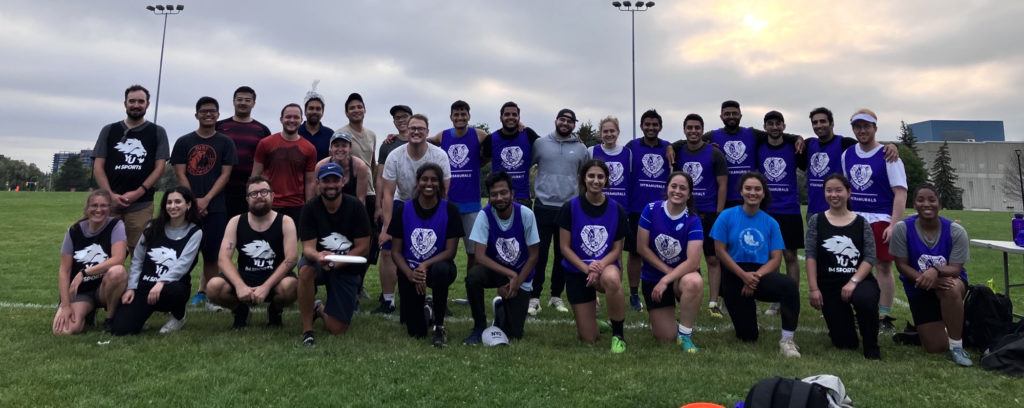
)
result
[(202, 161)]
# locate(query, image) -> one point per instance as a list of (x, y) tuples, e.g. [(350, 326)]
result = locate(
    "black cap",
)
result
[(354, 97), (774, 115), (401, 108), (566, 113)]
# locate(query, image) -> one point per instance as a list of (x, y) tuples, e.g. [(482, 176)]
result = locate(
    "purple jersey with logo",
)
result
[(920, 257), (779, 166), (619, 177), (513, 157), (591, 238), (508, 248), (464, 157), (705, 184), (822, 161), (424, 238), (869, 179), (648, 174), (739, 153), (668, 239)]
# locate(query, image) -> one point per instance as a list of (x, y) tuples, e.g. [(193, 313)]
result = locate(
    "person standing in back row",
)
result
[(288, 161)]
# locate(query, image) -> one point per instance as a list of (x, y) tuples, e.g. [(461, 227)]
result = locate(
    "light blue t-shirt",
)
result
[(482, 228), (748, 238)]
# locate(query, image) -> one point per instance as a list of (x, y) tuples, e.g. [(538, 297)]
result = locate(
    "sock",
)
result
[(712, 304), (884, 310), (787, 334), (956, 343), (617, 328), (390, 298), (633, 290), (683, 330)]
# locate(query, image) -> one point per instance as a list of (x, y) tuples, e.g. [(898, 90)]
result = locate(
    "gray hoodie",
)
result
[(558, 162)]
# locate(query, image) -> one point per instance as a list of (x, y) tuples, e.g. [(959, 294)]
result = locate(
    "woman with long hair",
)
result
[(160, 279)]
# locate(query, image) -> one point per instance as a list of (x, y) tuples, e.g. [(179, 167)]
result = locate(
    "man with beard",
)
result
[(246, 132), (333, 224), (267, 255), (288, 161), (558, 157), (128, 160), (312, 129), (509, 150)]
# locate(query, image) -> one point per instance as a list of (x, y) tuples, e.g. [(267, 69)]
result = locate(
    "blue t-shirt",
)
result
[(748, 238)]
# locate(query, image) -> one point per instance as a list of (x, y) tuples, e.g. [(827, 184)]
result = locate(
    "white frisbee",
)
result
[(345, 258)]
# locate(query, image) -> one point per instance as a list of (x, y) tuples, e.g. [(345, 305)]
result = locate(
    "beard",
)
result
[(260, 210), (135, 114), (330, 194)]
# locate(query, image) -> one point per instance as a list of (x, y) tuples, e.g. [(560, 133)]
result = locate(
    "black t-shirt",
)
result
[(336, 231), (565, 215), (485, 147), (453, 229), (203, 159)]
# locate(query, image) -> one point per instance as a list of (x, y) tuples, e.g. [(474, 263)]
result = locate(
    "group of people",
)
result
[(729, 195)]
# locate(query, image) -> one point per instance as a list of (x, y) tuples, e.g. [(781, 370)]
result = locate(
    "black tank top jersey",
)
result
[(126, 164), (839, 251), (160, 253), (259, 253), (350, 187), (86, 255)]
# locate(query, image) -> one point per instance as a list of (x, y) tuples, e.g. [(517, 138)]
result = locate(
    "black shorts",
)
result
[(792, 226), (925, 307), (371, 204), (576, 289), (213, 232), (634, 223), (342, 294), (668, 298), (707, 220), (254, 282), (92, 297)]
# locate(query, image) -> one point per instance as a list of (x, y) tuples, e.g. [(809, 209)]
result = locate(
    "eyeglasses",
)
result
[(207, 112), (417, 129), (259, 193)]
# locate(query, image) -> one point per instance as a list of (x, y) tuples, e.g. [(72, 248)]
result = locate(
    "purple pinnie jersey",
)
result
[(920, 257), (871, 192), (822, 161), (424, 238), (619, 173), (739, 152), (464, 158), (701, 169), (779, 167), (508, 248), (648, 174), (513, 157), (591, 237)]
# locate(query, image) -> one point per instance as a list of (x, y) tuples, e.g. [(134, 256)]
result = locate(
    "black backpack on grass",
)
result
[(1007, 353), (778, 392), (986, 316)]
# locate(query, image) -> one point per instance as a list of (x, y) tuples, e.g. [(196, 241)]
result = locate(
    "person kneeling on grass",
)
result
[(427, 230), (332, 224), (592, 228), (501, 231), (840, 251), (265, 261), (670, 239), (749, 243), (930, 254), (160, 278), (91, 271)]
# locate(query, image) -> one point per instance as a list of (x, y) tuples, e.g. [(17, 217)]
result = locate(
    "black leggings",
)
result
[(839, 314), (480, 278), (773, 287), (439, 277), (547, 227), (131, 317)]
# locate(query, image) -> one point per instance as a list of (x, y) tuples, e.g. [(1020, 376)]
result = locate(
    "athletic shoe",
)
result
[(558, 304), (772, 310), (461, 301), (172, 325), (384, 308), (715, 311), (308, 339), (885, 324), (474, 337), (788, 348), (873, 354), (686, 342), (363, 294), (603, 326), (634, 303), (960, 357), (534, 307), (210, 307), (618, 345), (440, 337), (242, 316), (274, 316), (498, 307), (428, 314), (198, 299)]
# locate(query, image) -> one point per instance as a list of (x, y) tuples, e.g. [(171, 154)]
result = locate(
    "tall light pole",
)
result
[(162, 10), (632, 9), (1020, 175)]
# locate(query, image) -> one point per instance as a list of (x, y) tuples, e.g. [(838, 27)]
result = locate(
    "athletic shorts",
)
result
[(92, 297), (668, 298), (253, 283), (213, 233), (576, 289), (881, 248), (792, 227), (707, 220), (634, 223), (134, 222), (925, 307), (468, 219), (371, 205), (342, 294), (394, 207)]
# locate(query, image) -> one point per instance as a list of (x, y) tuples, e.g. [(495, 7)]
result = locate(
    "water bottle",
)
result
[(1018, 227)]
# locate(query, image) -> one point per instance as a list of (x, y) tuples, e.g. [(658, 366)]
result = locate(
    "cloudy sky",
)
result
[(65, 67)]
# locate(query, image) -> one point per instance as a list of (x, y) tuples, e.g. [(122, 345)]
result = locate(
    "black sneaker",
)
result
[(308, 340), (440, 337), (242, 316), (885, 324), (274, 316), (384, 308), (872, 353)]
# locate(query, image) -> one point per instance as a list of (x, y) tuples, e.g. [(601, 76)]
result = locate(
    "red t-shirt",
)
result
[(285, 164)]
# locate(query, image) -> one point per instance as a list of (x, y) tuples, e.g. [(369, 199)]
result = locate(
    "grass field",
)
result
[(375, 364)]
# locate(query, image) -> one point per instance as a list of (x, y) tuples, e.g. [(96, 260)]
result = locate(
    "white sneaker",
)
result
[(788, 348), (172, 324), (210, 307), (772, 310), (558, 304), (534, 307)]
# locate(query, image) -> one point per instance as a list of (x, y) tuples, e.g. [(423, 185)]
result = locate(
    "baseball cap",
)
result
[(493, 336), (341, 136), (353, 97), (330, 169), (774, 115), (401, 108), (862, 116), (567, 113)]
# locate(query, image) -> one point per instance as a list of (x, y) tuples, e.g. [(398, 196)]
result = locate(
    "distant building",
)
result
[(60, 158), (959, 131), (984, 169)]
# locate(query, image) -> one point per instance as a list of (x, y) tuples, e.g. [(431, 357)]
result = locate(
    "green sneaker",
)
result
[(686, 342), (618, 345)]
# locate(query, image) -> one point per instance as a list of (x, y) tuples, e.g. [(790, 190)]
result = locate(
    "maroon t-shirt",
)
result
[(285, 164), (246, 136)]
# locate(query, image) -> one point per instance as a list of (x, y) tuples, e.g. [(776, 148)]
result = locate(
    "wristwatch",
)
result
[(854, 280)]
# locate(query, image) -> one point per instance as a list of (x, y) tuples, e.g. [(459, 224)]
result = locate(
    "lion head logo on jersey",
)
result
[(667, 246), (930, 261), (132, 150), (508, 249), (595, 239), (843, 248), (654, 164), (615, 168), (458, 154), (337, 243), (860, 176), (423, 240), (775, 168), (511, 157), (735, 151), (695, 170), (819, 164), (260, 253), (163, 257), (91, 255)]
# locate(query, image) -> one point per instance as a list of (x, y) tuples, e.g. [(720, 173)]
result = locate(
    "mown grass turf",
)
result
[(375, 364)]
